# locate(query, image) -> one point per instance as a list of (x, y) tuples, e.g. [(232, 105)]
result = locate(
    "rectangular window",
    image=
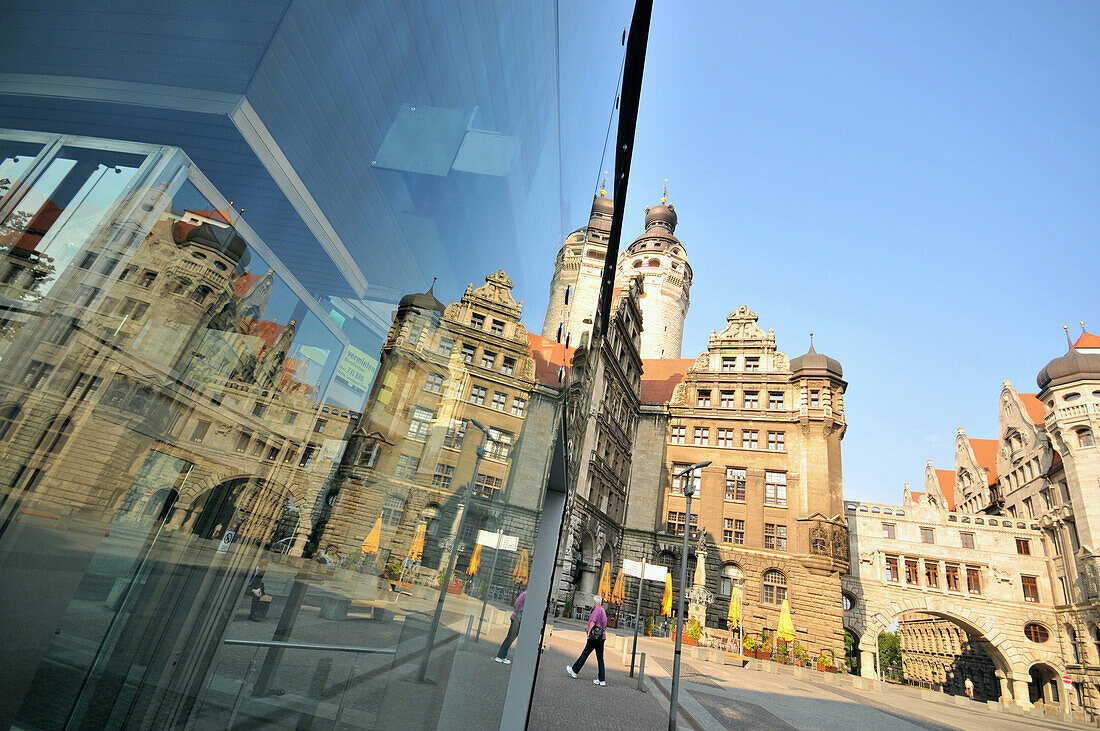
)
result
[(749, 440), (727, 530), (86, 295), (273, 453), (456, 432), (776, 441), (488, 359), (259, 408), (1029, 507), (727, 399), (752, 400), (927, 535), (703, 400), (242, 441), (775, 537), (702, 436), (967, 540), (508, 366), (420, 423), (735, 484), (725, 438), (308, 454), (814, 399), (320, 425), (775, 400), (675, 524), (729, 365), (752, 363), (678, 483), (973, 580), (932, 574), (889, 530), (497, 328), (446, 347), (1065, 589), (85, 387), (775, 489), (677, 434), (500, 400), (62, 330), (406, 466), (911, 575), (501, 445), (433, 383), (468, 353), (519, 406), (892, 569), (258, 448), (199, 432), (477, 322), (1023, 546), (477, 395), (37, 374), (291, 417), (1048, 497), (952, 576), (739, 532), (1031, 588), (442, 476)]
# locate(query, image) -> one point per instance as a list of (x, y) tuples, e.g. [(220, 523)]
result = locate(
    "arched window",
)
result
[(732, 576), (8, 416), (1073, 643), (201, 293), (1084, 437), (775, 587), (392, 510), (431, 519), (55, 436), (654, 263), (637, 263)]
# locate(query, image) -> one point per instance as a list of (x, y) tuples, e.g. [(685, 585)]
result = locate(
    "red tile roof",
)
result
[(916, 496), (1034, 406), (660, 377), (244, 283), (985, 451), (1087, 340), (946, 478), (549, 357)]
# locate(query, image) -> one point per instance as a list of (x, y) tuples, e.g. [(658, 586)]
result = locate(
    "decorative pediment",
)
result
[(742, 326), (497, 290)]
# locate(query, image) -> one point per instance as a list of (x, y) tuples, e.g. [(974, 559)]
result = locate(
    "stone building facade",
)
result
[(943, 655)]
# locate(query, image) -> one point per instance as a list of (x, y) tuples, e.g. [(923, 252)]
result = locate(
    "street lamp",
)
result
[(480, 451), (689, 490)]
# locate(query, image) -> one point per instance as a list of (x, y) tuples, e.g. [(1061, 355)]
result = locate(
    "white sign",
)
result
[(1067, 680), (227, 541), (653, 572), (489, 540)]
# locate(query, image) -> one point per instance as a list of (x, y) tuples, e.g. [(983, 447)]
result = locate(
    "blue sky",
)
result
[(915, 183)]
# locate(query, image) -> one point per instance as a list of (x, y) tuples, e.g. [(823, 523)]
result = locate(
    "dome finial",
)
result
[(664, 192), (1083, 330), (811, 341), (603, 185), (431, 289), (1069, 341)]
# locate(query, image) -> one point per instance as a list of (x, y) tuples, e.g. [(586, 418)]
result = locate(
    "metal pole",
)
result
[(637, 616), (451, 561), (673, 705)]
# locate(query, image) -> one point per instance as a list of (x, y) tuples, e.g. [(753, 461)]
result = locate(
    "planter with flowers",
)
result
[(826, 662)]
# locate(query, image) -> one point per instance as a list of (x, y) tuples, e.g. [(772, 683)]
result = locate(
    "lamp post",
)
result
[(454, 553), (689, 490)]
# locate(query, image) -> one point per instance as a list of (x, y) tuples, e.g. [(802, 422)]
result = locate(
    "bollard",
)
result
[(308, 717), (641, 672), (466, 636)]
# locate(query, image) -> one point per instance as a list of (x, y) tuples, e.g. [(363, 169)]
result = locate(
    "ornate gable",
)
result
[(496, 294), (932, 488), (742, 327)]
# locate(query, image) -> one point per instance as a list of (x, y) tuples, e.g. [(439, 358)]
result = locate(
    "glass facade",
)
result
[(274, 437)]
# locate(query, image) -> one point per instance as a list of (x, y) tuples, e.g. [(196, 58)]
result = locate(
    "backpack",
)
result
[(596, 632)]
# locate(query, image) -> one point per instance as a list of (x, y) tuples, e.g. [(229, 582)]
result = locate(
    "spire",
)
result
[(1069, 342), (812, 343), (1083, 330), (431, 289), (603, 185), (664, 192)]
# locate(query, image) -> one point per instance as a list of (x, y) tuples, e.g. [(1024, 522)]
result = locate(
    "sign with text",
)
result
[(489, 540), (653, 572)]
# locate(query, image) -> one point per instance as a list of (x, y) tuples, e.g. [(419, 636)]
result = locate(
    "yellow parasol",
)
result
[(371, 544), (666, 603), (416, 550), (785, 631), (734, 617), (605, 583), (520, 572), (619, 593), (474, 560)]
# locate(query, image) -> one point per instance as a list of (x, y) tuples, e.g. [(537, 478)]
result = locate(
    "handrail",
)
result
[(309, 646)]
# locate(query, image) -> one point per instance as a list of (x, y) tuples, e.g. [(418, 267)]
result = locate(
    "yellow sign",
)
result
[(357, 369)]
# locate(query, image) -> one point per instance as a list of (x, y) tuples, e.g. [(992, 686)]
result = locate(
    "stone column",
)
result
[(867, 664), (1020, 693)]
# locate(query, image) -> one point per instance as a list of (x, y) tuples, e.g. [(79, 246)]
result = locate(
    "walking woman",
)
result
[(597, 633)]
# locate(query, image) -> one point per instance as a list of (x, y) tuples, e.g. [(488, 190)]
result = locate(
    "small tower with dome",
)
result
[(661, 260)]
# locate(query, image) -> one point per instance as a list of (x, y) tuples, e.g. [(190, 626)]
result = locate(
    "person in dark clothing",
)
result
[(597, 633), (513, 629), (256, 591)]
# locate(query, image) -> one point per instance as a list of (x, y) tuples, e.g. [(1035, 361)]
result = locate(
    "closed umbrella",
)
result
[(474, 560), (520, 572), (605, 583), (416, 550), (785, 631), (666, 602), (371, 544), (618, 594), (733, 619)]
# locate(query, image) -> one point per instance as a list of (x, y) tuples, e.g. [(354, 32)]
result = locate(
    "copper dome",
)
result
[(661, 214), (814, 363), (423, 301), (1073, 366), (603, 205)]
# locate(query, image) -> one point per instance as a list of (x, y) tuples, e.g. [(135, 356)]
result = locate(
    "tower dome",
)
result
[(423, 301), (663, 215), (813, 363), (1075, 365)]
